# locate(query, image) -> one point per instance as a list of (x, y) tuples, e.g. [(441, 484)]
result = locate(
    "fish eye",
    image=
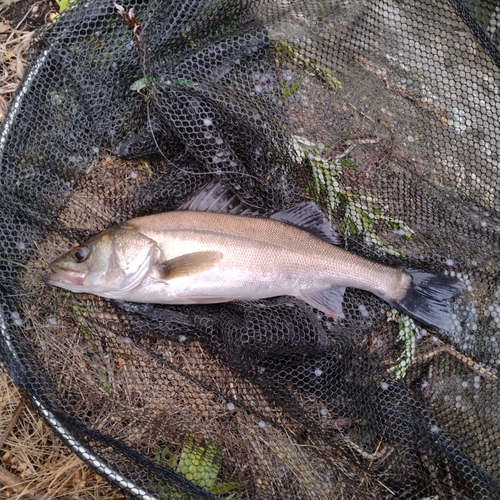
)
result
[(80, 254)]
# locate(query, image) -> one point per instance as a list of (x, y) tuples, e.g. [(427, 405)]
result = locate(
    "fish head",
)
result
[(109, 264)]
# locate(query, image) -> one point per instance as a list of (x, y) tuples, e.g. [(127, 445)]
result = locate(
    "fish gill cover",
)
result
[(386, 113)]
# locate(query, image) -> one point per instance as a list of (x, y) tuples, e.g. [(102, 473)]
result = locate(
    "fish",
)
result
[(204, 257)]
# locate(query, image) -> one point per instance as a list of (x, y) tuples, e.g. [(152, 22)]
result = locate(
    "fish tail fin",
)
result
[(427, 298)]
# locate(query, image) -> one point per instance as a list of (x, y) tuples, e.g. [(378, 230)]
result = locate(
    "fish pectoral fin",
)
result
[(187, 265), (328, 301)]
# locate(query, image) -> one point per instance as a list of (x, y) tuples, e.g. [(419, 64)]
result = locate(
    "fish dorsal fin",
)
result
[(217, 197), (309, 216), (187, 265)]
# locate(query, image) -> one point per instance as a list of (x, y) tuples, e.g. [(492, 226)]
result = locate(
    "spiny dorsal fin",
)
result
[(187, 265), (217, 197), (309, 216)]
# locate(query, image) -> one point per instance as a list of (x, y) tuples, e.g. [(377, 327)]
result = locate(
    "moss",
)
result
[(360, 213), (407, 335), (287, 52)]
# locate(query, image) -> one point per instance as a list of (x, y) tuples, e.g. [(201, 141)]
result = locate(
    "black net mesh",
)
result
[(384, 112)]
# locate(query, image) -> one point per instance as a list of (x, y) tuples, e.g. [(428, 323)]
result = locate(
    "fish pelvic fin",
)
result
[(328, 301), (187, 265), (308, 216), (427, 298)]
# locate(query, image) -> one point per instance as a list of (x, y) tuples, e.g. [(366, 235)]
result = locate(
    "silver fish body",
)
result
[(254, 258), (189, 257)]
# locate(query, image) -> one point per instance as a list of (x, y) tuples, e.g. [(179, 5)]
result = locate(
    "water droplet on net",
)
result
[(364, 312)]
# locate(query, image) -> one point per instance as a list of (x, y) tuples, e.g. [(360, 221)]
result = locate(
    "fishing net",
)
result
[(386, 113)]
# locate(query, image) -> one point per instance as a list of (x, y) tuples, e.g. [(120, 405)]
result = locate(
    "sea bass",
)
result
[(192, 257)]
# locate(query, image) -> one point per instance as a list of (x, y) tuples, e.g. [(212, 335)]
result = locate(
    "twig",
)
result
[(393, 493), (361, 113), (442, 347), (376, 455), (13, 421), (11, 480), (14, 31), (461, 357), (7, 478), (368, 140), (131, 20)]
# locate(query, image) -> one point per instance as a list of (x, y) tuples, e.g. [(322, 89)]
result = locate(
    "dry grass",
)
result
[(14, 43), (34, 463)]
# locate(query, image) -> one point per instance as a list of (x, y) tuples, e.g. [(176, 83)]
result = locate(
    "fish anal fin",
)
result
[(187, 265), (308, 216), (328, 301)]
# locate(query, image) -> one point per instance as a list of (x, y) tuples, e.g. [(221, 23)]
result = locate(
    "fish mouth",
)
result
[(64, 278)]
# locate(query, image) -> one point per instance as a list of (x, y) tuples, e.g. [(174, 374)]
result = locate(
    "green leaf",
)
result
[(15, 263), (347, 163), (63, 5), (142, 83), (198, 464), (225, 487), (288, 90)]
